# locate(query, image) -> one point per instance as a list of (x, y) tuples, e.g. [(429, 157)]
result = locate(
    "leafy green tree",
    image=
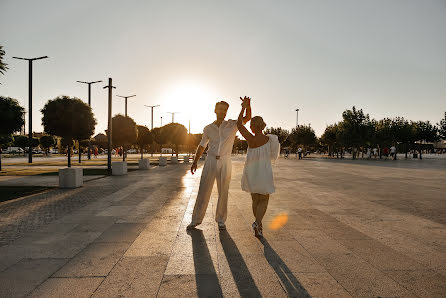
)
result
[(442, 127), (330, 139), (281, 133), (425, 132), (355, 129), (302, 135), (3, 65), (144, 138), (124, 132), (47, 142), (175, 134), (11, 118), (69, 118), (100, 140), (21, 141)]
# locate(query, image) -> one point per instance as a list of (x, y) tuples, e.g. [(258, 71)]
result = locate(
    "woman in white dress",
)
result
[(257, 176)]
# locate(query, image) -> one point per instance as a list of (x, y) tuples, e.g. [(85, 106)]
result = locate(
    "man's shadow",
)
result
[(240, 272), (206, 277), (288, 280)]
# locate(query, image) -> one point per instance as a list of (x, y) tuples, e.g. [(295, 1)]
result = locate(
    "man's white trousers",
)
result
[(214, 169)]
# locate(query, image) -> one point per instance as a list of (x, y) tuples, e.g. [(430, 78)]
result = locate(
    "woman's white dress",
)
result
[(258, 172)]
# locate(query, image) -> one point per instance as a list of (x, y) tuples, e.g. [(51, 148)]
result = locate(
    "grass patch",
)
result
[(13, 192)]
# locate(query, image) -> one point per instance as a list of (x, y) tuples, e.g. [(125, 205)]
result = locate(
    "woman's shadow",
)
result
[(292, 286)]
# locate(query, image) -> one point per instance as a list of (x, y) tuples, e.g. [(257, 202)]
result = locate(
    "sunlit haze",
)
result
[(387, 57)]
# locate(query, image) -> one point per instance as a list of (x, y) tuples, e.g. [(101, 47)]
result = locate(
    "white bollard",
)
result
[(71, 177), (144, 164), (174, 159), (163, 161), (119, 168), (186, 159)]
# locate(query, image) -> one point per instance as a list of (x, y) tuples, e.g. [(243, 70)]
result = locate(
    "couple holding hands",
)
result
[(257, 176)]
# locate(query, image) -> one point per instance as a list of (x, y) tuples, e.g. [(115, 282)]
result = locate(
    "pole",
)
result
[(89, 104), (89, 140), (109, 129), (297, 117), (30, 96), (126, 106)]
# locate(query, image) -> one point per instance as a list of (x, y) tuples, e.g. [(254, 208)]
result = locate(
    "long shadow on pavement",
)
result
[(240, 272), (289, 281), (206, 277)]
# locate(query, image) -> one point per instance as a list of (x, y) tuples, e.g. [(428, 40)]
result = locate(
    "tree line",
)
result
[(357, 132)]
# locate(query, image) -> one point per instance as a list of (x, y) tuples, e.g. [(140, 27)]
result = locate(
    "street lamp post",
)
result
[(125, 101), (110, 87), (30, 96), (151, 149), (89, 104), (152, 112), (297, 117), (173, 115)]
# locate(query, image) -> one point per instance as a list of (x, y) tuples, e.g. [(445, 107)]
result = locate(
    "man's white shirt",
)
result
[(220, 138)]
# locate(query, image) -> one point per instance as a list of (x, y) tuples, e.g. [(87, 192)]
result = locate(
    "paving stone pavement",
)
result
[(332, 229)]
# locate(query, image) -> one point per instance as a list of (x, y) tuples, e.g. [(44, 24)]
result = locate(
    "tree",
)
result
[(425, 131), (303, 135), (3, 65), (11, 116), (100, 140), (47, 142), (144, 138), (442, 127), (124, 132), (330, 138), (21, 141), (281, 133), (69, 118), (355, 128), (175, 134)]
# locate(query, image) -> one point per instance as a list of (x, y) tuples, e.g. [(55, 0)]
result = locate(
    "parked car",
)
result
[(132, 151), (12, 150)]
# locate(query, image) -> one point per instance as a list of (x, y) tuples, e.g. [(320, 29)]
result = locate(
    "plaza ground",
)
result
[(333, 228)]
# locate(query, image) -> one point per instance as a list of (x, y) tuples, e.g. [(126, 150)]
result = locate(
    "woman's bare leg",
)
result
[(261, 208), (255, 202)]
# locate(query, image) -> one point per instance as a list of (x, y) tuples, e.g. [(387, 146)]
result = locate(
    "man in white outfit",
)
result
[(220, 135)]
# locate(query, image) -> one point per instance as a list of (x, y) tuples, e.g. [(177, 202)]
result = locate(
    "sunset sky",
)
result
[(387, 57)]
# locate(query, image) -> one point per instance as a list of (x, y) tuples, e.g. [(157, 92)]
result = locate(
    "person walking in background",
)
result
[(220, 135), (375, 152), (386, 152), (299, 152), (257, 176), (393, 152), (96, 152)]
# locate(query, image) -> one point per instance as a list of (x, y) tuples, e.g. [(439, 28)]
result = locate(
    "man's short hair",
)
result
[(222, 103)]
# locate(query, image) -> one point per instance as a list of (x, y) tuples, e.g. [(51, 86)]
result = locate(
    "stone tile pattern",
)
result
[(352, 230)]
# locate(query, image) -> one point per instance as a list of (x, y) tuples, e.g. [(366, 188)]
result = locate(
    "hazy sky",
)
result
[(387, 57)]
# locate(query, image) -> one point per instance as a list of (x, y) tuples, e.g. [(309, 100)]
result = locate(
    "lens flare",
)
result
[(279, 221)]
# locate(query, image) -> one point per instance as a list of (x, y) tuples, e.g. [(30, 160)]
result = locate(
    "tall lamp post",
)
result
[(126, 101), (152, 112), (30, 96), (297, 117), (173, 115), (110, 88), (89, 104)]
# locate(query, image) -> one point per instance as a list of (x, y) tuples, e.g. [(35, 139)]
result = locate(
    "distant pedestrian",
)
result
[(369, 153), (386, 152), (375, 152), (393, 152), (95, 152), (299, 152)]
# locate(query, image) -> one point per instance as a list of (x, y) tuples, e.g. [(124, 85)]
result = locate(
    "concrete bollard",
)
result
[(119, 168), (186, 159), (144, 164), (163, 161), (174, 159), (71, 177)]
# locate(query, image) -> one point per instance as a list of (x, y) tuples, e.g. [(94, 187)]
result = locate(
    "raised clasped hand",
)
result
[(246, 101)]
